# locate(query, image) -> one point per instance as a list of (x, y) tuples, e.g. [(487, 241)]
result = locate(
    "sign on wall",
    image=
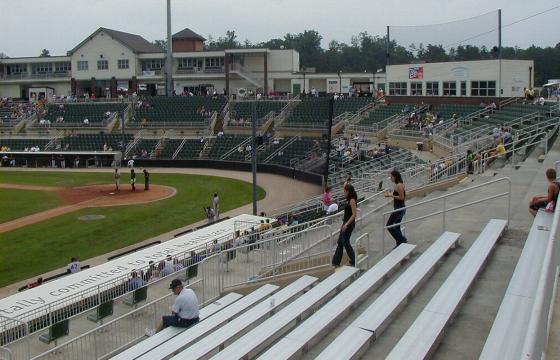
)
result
[(416, 72)]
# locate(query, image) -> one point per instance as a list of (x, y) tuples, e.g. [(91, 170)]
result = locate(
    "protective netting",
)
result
[(479, 31)]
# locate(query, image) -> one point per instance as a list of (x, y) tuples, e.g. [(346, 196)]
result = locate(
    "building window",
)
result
[(189, 63), (122, 63), (397, 88), (102, 65), (432, 88), (483, 88), (463, 88), (449, 88), (416, 88), (16, 68), (152, 64), (82, 65), (214, 62), (62, 67), (42, 68)]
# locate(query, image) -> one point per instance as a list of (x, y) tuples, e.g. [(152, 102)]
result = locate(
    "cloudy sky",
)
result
[(28, 26)]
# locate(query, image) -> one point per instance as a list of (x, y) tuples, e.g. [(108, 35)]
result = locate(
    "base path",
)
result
[(86, 196)]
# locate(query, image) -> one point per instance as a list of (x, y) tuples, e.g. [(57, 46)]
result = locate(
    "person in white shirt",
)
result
[(216, 206), (73, 267), (184, 310)]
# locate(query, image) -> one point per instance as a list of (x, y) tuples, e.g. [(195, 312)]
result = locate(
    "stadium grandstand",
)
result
[(476, 279)]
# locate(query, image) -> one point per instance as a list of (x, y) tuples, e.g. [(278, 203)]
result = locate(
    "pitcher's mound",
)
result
[(106, 195)]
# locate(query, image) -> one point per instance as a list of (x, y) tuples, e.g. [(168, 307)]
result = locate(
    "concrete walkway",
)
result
[(280, 191)]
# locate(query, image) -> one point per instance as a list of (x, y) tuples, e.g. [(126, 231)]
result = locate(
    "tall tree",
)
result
[(161, 44), (45, 53)]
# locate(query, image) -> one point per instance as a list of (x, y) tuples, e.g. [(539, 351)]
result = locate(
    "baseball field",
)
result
[(48, 217)]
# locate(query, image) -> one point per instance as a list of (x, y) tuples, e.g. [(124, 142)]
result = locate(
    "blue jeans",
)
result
[(174, 320), (396, 218)]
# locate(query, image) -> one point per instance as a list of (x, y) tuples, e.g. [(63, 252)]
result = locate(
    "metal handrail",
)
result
[(26, 327), (100, 328), (444, 209), (538, 329)]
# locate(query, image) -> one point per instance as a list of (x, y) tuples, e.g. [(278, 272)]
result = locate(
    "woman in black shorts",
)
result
[(540, 202)]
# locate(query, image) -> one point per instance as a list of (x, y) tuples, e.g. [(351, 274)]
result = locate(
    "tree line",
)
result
[(367, 53)]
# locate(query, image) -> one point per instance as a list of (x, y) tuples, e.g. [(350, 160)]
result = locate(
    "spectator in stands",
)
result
[(146, 180), (216, 206), (327, 198), (151, 273), (86, 122), (132, 180), (135, 281), (549, 200), (184, 310), (470, 161), (506, 134), (74, 266), (165, 267), (399, 198), (177, 265), (348, 224)]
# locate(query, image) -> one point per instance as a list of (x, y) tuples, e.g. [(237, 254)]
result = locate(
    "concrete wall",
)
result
[(112, 50), (278, 61), (515, 74), (11, 91)]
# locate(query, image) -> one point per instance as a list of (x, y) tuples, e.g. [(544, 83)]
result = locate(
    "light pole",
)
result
[(169, 57), (339, 82)]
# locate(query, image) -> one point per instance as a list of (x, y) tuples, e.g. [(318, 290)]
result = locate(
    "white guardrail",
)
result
[(538, 329)]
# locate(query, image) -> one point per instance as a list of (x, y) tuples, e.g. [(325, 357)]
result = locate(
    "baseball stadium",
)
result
[(196, 198)]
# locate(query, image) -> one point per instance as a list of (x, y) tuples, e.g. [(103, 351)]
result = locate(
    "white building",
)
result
[(464, 78), (109, 61)]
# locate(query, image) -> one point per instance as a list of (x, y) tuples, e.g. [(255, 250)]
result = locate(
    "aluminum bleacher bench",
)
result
[(170, 332), (212, 322), (367, 327), (219, 338), (509, 329), (308, 332), (260, 310), (261, 336), (423, 336)]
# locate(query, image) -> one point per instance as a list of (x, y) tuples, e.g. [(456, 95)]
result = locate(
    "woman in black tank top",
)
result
[(348, 224), (399, 197)]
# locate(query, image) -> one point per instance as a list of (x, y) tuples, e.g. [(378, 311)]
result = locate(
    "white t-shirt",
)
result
[(73, 267), (186, 305)]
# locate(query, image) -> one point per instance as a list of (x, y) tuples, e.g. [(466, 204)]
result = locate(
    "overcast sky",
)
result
[(27, 26)]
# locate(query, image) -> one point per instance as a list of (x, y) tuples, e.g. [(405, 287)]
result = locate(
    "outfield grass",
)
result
[(18, 203), (44, 246)]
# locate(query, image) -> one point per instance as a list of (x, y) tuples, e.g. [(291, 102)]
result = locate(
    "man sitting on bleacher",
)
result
[(184, 310)]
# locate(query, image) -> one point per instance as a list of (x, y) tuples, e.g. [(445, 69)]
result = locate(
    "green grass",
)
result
[(44, 246), (19, 203), (63, 179)]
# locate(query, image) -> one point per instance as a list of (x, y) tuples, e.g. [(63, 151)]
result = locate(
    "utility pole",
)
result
[(329, 136), (169, 58), (254, 155)]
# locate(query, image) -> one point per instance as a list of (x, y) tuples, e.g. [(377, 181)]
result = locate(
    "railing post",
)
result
[(383, 235), (443, 214)]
